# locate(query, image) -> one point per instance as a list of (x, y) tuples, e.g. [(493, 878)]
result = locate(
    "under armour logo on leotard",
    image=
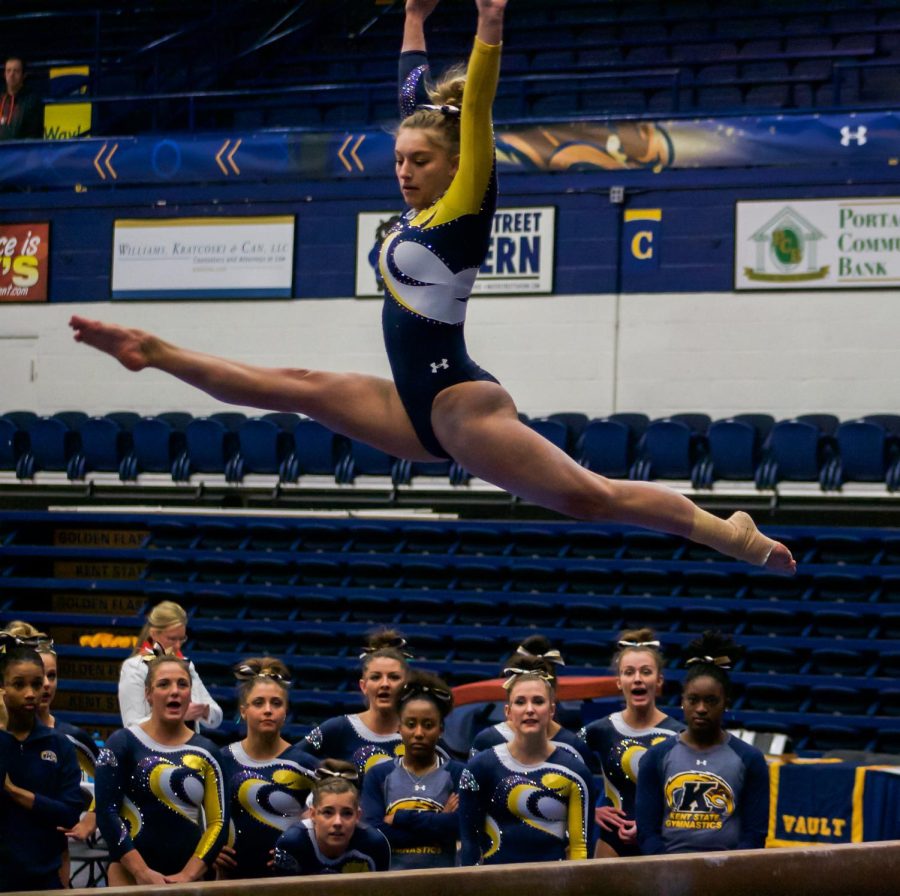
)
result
[(435, 367)]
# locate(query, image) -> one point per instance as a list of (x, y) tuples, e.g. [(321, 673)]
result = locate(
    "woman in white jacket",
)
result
[(166, 629)]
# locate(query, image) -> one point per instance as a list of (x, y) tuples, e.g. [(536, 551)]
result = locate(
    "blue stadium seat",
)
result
[(72, 419), (843, 548), (373, 538), (320, 573), (220, 535), (219, 570), (591, 579), (21, 419), (125, 420), (210, 447), (323, 537), (270, 571), (772, 659), (642, 545), (371, 573), (169, 569), (836, 661), (537, 542), (426, 575), (649, 582), (838, 700), (836, 737), (482, 541), (574, 422), (172, 535), (479, 577), (670, 449), (364, 460), (264, 447), (735, 448), (325, 606), (428, 539), (54, 447), (776, 621), (795, 451), (606, 447), (283, 419), (584, 543), (533, 578), (701, 618), (211, 603), (889, 702), (841, 624), (14, 444), (773, 697), (157, 447), (641, 614), (104, 448), (589, 614), (867, 452), (710, 583), (266, 536), (477, 611), (842, 588), (421, 609), (888, 741), (318, 450), (372, 609), (178, 420)]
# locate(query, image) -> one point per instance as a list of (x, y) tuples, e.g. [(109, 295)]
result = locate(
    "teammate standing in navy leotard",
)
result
[(441, 403)]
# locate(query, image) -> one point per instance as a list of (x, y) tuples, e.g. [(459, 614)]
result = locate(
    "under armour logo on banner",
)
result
[(435, 367), (859, 135)]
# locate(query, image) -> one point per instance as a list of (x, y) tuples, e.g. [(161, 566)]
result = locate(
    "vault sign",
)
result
[(817, 244)]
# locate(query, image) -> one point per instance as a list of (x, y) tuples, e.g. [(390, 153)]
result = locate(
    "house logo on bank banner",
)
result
[(786, 250)]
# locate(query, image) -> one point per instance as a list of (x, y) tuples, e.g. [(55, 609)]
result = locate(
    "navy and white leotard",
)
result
[(430, 259)]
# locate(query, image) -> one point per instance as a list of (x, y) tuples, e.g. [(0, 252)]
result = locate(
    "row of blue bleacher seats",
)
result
[(814, 448)]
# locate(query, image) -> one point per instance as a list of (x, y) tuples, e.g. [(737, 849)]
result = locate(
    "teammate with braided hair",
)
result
[(413, 799), (705, 789)]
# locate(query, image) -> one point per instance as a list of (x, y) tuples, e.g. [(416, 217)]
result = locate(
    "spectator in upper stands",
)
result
[(620, 741), (331, 840), (21, 112), (164, 632), (267, 780), (535, 652), (40, 794), (160, 794), (441, 404), (705, 789), (413, 798), (529, 800), (86, 750), (371, 736)]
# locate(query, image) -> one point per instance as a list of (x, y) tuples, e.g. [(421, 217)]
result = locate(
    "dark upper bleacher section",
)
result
[(332, 65), (823, 648)]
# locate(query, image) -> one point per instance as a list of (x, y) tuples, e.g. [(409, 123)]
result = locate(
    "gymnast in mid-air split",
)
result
[(440, 403)]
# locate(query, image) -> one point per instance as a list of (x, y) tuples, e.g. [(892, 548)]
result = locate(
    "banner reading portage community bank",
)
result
[(203, 258), (817, 244)]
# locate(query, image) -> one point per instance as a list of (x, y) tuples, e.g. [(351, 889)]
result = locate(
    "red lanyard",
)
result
[(4, 118)]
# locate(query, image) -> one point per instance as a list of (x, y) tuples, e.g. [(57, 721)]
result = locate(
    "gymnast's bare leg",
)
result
[(476, 422)]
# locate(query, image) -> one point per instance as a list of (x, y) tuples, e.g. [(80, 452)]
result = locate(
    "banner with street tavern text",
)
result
[(520, 258), (203, 258), (24, 262), (817, 244)]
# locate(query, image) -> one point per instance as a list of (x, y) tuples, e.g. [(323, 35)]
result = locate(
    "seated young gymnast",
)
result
[(440, 403), (331, 840)]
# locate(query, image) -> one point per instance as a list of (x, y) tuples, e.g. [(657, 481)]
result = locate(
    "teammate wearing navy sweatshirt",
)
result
[(39, 770), (704, 789)]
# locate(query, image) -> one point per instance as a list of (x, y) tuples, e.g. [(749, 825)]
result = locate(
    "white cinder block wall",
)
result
[(785, 353)]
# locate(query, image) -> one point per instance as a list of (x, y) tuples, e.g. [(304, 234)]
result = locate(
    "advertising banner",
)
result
[(65, 121), (520, 258), (24, 262), (817, 244), (203, 258)]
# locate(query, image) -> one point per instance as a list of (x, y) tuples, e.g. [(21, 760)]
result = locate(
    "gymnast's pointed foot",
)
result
[(758, 549), (129, 347)]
